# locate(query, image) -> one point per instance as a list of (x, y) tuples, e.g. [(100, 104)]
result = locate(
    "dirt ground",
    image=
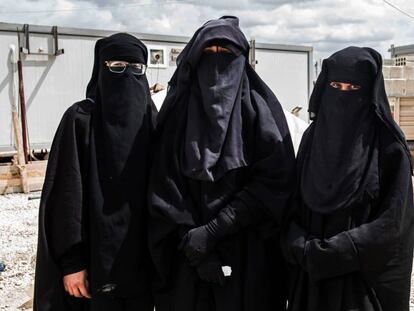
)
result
[(18, 239)]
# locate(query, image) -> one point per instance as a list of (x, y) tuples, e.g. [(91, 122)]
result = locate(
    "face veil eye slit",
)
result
[(216, 49), (344, 86)]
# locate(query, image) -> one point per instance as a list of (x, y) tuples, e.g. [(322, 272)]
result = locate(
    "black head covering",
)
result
[(121, 100), (212, 84), (341, 166)]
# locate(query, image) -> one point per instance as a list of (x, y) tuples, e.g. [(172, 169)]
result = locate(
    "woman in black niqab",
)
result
[(93, 206), (221, 178), (350, 239)]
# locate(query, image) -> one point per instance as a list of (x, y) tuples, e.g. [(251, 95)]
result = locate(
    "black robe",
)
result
[(94, 197), (257, 192), (358, 257)]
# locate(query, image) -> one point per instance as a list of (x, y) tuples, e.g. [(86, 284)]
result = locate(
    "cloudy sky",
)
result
[(327, 25)]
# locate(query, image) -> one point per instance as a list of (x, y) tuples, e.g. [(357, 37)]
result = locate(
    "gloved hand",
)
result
[(209, 270), (331, 257), (296, 240), (199, 242)]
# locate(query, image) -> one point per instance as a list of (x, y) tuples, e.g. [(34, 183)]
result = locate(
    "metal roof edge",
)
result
[(89, 32), (402, 48), (284, 47)]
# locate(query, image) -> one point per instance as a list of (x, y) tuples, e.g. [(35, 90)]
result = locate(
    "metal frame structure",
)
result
[(404, 50), (67, 31)]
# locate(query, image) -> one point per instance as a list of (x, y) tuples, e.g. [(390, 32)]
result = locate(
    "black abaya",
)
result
[(92, 211), (247, 170), (351, 236)]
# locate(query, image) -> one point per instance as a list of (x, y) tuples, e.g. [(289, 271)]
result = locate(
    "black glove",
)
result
[(331, 257), (296, 240), (199, 242), (209, 270)]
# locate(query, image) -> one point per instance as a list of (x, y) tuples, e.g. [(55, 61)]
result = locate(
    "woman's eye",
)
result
[(223, 50), (117, 64), (335, 85), (355, 87)]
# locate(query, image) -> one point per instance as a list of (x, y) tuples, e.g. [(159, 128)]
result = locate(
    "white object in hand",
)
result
[(226, 270)]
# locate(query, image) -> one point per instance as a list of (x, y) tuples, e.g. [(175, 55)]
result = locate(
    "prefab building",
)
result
[(399, 84), (57, 64)]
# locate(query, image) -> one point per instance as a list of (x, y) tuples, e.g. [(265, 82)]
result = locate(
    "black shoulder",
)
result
[(306, 136), (393, 153), (78, 111), (83, 107), (307, 131), (389, 143)]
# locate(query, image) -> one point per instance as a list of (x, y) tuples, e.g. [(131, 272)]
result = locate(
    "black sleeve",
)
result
[(63, 194), (371, 246), (60, 216), (73, 260)]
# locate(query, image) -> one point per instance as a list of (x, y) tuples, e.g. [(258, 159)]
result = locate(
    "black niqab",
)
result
[(213, 143), (342, 165), (212, 85), (118, 100)]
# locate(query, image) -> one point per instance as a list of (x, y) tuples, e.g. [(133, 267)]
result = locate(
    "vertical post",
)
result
[(392, 50), (252, 54), (21, 161), (23, 110), (397, 110)]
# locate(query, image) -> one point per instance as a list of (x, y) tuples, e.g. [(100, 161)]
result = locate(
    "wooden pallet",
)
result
[(11, 181)]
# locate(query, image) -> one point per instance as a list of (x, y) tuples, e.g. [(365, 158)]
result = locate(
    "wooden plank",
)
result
[(14, 185), (10, 179), (397, 110)]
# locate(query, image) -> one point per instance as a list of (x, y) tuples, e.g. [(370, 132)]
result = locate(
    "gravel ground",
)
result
[(18, 237)]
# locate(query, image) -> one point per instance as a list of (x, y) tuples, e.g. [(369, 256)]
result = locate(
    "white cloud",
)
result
[(325, 24)]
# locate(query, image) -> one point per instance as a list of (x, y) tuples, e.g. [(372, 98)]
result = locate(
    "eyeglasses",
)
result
[(117, 66)]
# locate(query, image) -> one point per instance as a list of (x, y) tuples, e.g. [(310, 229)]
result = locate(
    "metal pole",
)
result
[(23, 110)]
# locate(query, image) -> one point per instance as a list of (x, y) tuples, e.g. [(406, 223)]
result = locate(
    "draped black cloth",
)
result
[(222, 142), (94, 196), (350, 239)]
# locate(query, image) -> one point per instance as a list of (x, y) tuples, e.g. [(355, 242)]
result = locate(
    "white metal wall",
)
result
[(286, 73), (5, 90), (52, 84)]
